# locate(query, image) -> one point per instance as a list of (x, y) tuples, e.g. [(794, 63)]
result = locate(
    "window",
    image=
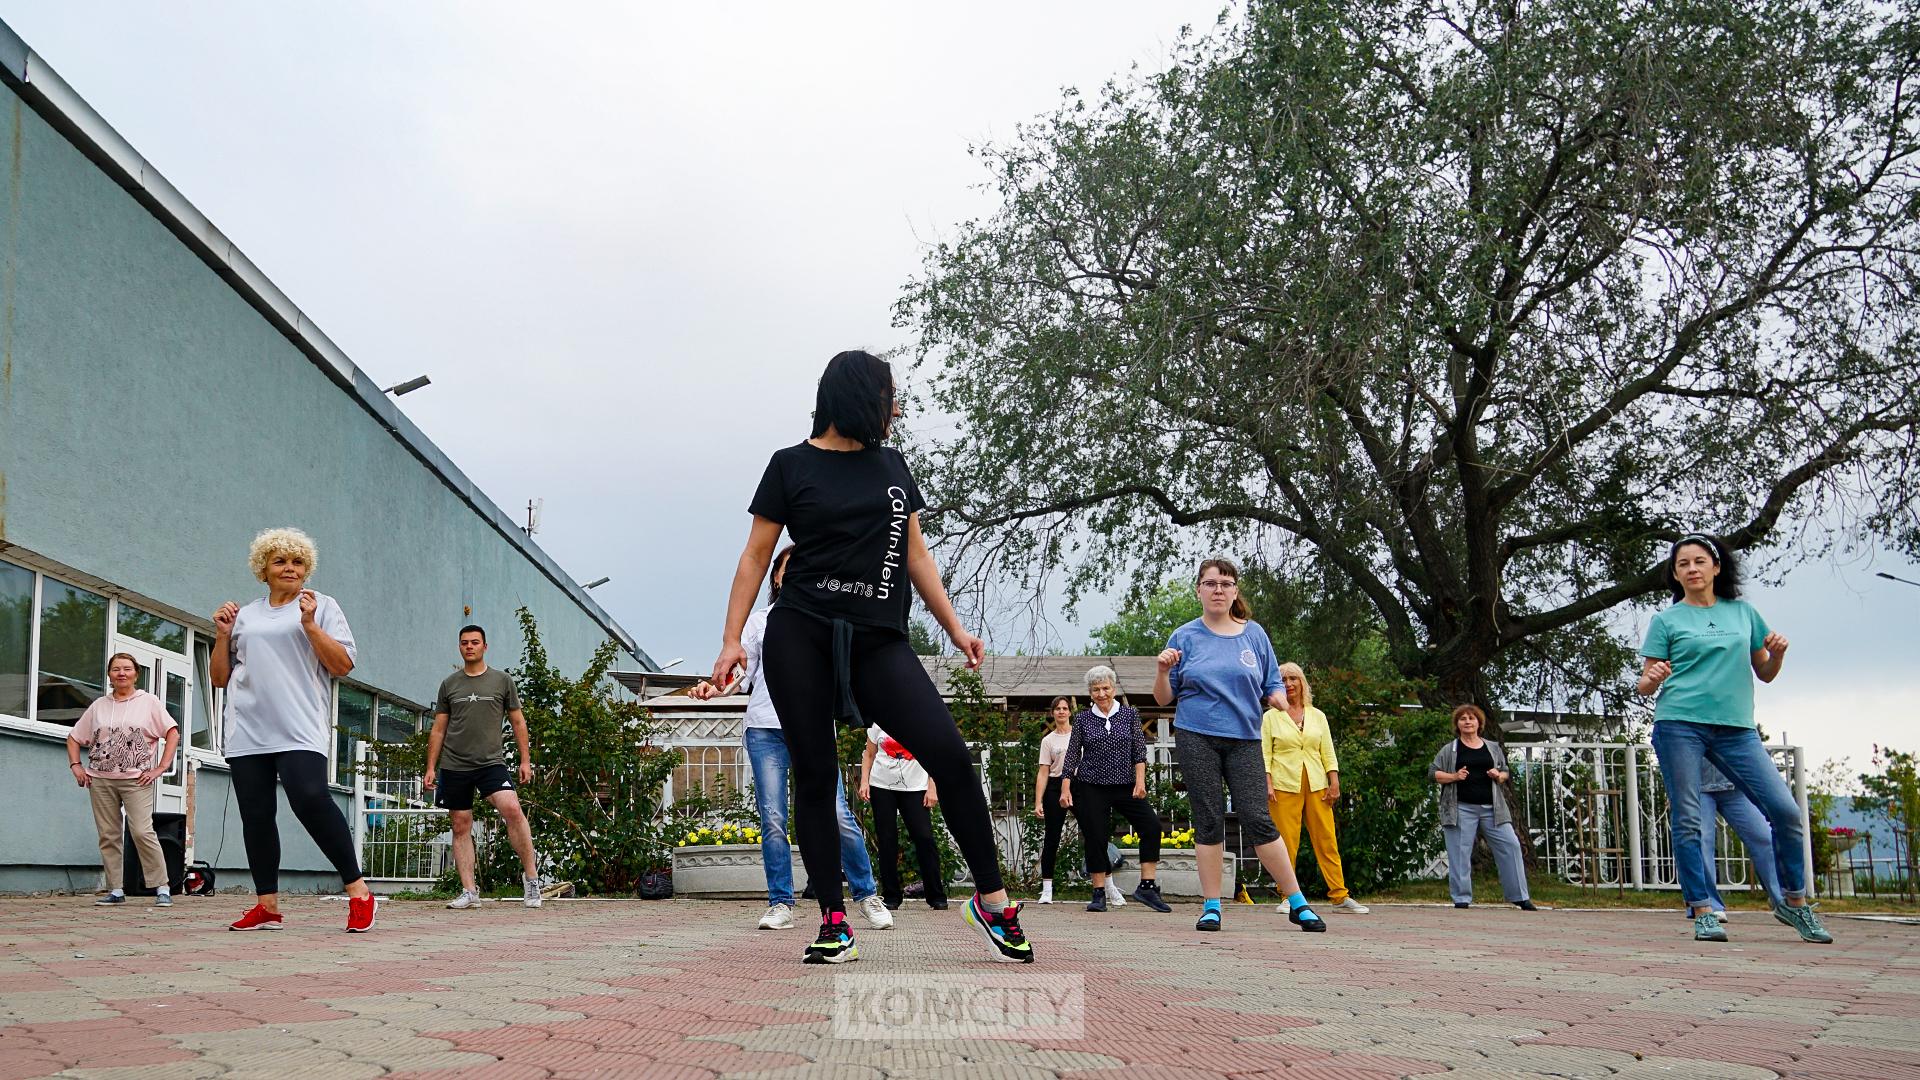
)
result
[(204, 718), (354, 726), (73, 651), (397, 722), (153, 629), (16, 638)]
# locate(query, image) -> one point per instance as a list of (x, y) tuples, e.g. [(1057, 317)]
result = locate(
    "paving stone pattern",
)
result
[(690, 989)]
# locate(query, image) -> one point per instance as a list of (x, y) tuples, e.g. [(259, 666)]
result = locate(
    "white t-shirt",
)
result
[(279, 697), (1053, 750), (753, 636), (891, 772)]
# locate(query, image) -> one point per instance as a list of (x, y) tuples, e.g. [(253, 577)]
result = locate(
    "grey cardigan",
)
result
[(1450, 793)]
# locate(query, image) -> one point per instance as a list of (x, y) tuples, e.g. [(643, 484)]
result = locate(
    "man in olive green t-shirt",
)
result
[(469, 714)]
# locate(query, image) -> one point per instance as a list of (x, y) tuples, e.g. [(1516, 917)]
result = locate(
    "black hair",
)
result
[(1726, 584), (855, 397), (474, 628), (773, 571)]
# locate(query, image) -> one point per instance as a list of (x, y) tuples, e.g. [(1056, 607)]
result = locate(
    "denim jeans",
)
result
[(1506, 854), (1737, 752), (767, 754), (1750, 825)]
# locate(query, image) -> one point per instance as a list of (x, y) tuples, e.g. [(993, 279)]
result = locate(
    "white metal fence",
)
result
[(1594, 813), (401, 836)]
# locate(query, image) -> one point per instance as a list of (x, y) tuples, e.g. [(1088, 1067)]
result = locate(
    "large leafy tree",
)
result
[(1476, 305)]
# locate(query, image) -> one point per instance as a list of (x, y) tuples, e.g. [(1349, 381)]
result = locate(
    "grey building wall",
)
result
[(152, 420)]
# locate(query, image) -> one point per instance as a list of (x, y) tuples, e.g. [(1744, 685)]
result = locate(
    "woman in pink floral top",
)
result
[(122, 732)]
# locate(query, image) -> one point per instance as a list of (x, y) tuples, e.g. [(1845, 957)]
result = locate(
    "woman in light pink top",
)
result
[(121, 732)]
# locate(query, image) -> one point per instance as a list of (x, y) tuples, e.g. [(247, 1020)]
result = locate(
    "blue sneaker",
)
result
[(109, 900), (1004, 937)]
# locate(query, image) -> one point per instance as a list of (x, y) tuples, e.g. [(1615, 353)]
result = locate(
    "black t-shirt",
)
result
[(847, 512), (1477, 788)]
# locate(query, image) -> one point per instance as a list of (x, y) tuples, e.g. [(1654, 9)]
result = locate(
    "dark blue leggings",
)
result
[(304, 775)]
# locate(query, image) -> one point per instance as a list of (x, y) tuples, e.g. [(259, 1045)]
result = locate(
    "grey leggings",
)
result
[(1209, 763)]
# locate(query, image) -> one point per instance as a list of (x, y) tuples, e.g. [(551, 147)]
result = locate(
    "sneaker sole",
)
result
[(846, 955), (262, 926), (966, 912)]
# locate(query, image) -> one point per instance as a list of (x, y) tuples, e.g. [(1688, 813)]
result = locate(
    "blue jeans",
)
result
[(767, 754), (1737, 752), (1750, 825), (1506, 854)]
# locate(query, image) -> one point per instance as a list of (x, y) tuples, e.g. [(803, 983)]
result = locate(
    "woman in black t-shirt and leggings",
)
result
[(836, 644)]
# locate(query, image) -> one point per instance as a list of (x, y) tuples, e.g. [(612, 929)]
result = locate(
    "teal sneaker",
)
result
[(1804, 922), (1706, 927)]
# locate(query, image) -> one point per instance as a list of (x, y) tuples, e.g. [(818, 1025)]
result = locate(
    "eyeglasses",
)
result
[(1219, 584)]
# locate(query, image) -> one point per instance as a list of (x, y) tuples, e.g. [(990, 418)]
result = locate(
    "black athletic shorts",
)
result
[(456, 787)]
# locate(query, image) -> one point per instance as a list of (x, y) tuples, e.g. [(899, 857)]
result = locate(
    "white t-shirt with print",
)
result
[(891, 772)]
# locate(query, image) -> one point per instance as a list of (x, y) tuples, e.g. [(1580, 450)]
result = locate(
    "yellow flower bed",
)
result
[(707, 835), (1178, 838)]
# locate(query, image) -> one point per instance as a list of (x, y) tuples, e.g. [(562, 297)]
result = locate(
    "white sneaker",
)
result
[(1351, 907), (530, 891), (1114, 897), (467, 898), (778, 917), (874, 910), (1046, 892)]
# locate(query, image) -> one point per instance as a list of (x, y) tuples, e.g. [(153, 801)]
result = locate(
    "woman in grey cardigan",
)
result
[(1470, 770)]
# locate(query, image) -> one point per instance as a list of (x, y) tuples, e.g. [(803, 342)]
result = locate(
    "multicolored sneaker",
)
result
[(257, 918), (1005, 939), (1706, 927), (1804, 922), (835, 943)]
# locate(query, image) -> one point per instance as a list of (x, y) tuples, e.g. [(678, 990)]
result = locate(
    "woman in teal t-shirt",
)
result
[(1701, 657)]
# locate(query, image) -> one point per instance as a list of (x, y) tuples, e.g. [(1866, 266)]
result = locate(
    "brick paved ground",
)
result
[(689, 989)]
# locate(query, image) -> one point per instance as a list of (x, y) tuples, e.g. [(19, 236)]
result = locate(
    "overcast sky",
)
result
[(623, 239)]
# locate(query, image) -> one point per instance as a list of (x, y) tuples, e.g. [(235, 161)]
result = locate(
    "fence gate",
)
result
[(401, 836)]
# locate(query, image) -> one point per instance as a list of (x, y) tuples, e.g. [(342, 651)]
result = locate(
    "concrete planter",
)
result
[(1177, 873), (726, 872)]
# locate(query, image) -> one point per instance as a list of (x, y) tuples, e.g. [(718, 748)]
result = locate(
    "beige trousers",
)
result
[(110, 797)]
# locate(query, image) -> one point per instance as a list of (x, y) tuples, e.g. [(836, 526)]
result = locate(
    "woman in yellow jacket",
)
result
[(1303, 780)]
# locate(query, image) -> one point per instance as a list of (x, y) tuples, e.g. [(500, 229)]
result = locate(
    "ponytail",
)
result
[(1240, 611)]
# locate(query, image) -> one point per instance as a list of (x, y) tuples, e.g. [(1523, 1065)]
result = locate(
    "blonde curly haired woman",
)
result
[(277, 657), (1303, 781)]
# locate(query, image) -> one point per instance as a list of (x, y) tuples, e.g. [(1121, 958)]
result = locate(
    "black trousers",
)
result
[(1055, 817), (1093, 807), (889, 809), (304, 774), (887, 681)]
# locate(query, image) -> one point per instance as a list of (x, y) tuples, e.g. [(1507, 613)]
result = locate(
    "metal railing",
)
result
[(401, 836)]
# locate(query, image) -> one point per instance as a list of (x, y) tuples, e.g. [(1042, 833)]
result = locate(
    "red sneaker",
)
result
[(360, 913), (257, 918)]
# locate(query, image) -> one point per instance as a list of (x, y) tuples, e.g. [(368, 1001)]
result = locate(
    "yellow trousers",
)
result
[(1287, 808)]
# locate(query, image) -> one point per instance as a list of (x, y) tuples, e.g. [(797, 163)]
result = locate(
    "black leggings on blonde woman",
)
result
[(889, 685), (304, 775)]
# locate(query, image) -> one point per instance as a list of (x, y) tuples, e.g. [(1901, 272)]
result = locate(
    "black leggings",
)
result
[(1093, 807), (887, 682), (912, 807), (304, 774), (1055, 816)]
